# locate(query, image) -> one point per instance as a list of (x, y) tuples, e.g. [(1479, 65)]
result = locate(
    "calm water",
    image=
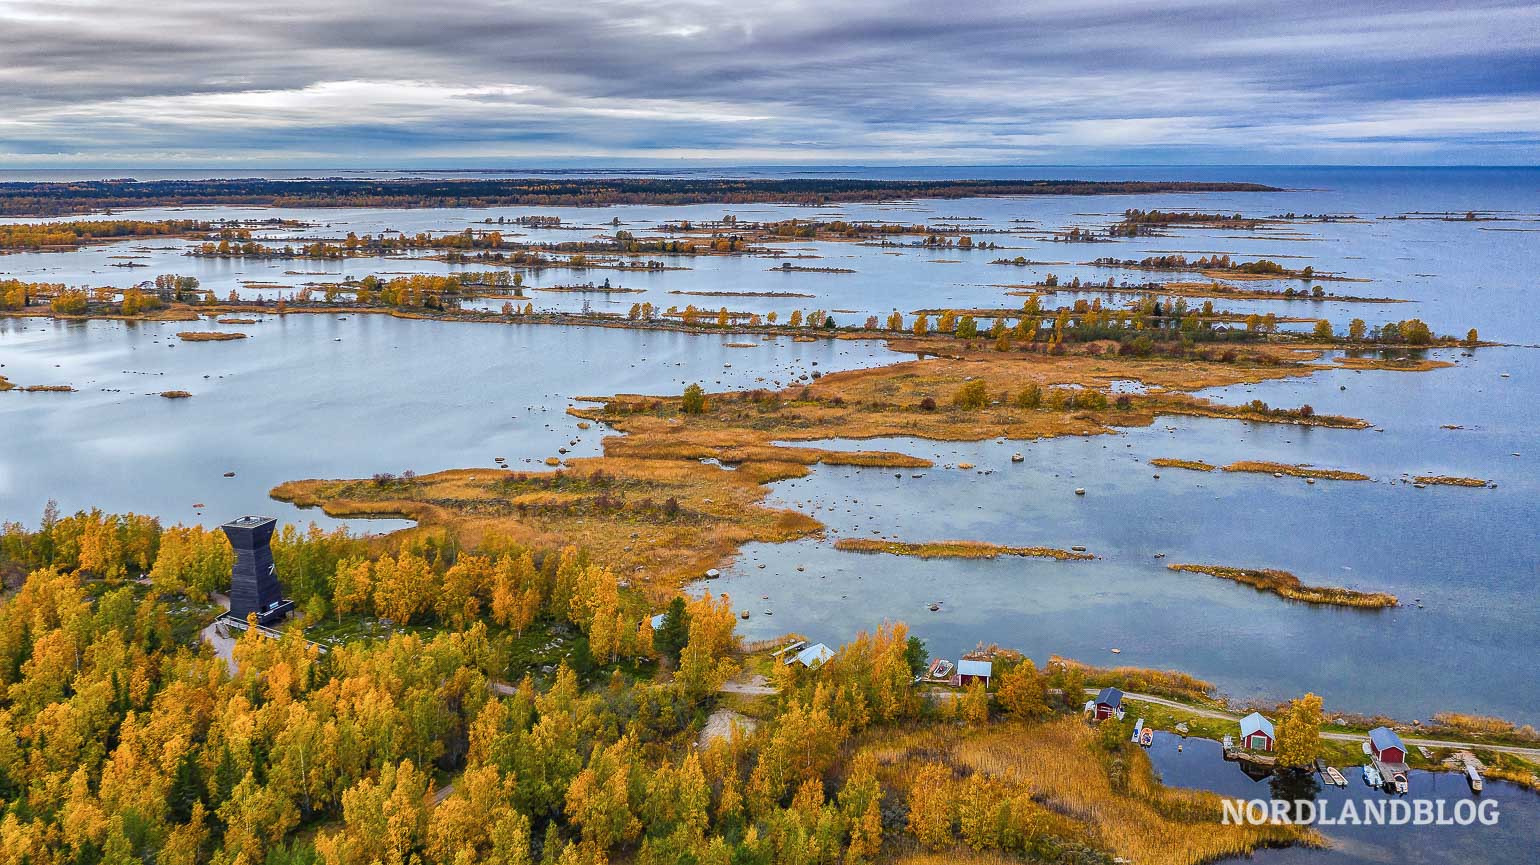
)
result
[(1200, 764), (352, 395), (1470, 555), (326, 396)]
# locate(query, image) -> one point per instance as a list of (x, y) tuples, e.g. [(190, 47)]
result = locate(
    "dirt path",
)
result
[(223, 644), (1517, 750), (755, 685)]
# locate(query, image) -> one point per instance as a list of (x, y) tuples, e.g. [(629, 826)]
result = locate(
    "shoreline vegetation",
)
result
[(1221, 267), (792, 268), (48, 199), (1141, 329), (8, 385), (1173, 463), (209, 335), (971, 392), (1298, 471), (796, 294), (1451, 481), (66, 236), (1286, 585), (954, 549), (1214, 289)]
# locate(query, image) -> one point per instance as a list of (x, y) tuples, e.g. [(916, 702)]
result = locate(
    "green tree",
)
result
[(694, 400), (674, 632), (916, 655)]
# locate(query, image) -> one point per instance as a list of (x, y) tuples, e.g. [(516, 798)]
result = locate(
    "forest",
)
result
[(436, 739), (46, 199), (68, 235)]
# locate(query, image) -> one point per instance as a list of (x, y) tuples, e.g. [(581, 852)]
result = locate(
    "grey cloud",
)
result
[(1050, 80)]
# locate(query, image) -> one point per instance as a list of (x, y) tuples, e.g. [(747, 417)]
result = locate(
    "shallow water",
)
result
[(295, 402), (1468, 555), (327, 396), (1201, 765)]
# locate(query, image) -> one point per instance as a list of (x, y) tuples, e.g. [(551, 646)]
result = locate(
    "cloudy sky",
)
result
[(496, 83)]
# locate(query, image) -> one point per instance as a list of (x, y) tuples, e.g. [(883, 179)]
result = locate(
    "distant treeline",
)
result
[(29, 198)]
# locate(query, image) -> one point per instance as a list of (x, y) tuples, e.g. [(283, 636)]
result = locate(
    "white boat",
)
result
[(1372, 776), (1147, 738), (1335, 777)]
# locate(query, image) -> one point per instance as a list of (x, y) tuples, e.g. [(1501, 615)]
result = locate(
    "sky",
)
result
[(494, 83)]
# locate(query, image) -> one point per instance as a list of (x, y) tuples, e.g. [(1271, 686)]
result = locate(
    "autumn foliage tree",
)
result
[(1299, 732)]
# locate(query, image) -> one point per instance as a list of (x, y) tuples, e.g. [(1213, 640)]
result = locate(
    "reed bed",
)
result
[(1172, 684), (1271, 468), (1064, 766), (209, 336), (1173, 463), (1286, 585), (954, 550), (1450, 481), (1393, 364)]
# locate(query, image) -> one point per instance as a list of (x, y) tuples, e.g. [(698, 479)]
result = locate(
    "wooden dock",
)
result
[(1474, 777)]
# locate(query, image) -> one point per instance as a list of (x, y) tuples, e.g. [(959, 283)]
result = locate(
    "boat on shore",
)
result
[(1372, 776)]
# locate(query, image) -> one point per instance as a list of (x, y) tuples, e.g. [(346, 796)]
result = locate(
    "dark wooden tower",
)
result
[(254, 586)]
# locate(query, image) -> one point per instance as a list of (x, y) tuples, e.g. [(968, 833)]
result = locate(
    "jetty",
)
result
[(790, 647), (1473, 775), (1466, 763), (1330, 773)]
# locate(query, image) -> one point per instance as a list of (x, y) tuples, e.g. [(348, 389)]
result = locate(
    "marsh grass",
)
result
[(1172, 463), (1450, 481), (1262, 467), (954, 549), (1286, 585), (209, 336), (1393, 364), (655, 522), (1086, 793), (1172, 684)]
